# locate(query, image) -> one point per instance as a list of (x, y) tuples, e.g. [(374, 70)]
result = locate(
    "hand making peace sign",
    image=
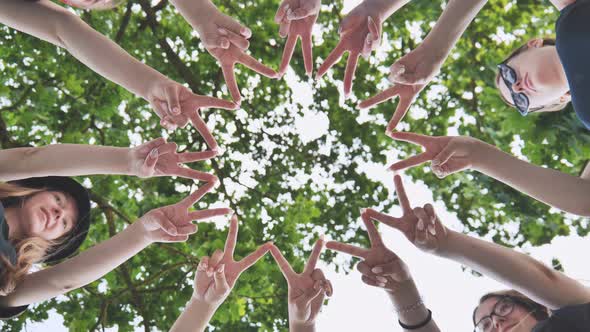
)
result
[(158, 158), (216, 276), (173, 223), (296, 19), (306, 290)]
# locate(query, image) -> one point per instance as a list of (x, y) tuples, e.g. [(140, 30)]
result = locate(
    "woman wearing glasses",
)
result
[(541, 76), (542, 299)]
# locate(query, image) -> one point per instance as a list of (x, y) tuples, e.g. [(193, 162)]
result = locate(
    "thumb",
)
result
[(399, 73), (150, 161), (444, 155), (221, 284)]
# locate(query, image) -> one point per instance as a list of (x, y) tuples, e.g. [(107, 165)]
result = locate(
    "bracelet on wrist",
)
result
[(419, 325)]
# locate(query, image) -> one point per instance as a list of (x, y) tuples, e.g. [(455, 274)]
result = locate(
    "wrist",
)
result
[(480, 151), (201, 305), (298, 326), (384, 8), (445, 249)]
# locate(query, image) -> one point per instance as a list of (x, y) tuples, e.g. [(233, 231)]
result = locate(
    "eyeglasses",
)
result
[(521, 101), (502, 308)]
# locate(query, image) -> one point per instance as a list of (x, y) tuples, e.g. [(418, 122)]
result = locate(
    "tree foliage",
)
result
[(47, 96)]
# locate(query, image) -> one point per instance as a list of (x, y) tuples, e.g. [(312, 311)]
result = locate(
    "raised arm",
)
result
[(171, 223), (423, 228), (153, 158), (451, 154)]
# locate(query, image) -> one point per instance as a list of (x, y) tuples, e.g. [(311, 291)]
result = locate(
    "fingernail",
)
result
[(380, 284), (225, 43), (220, 268), (173, 231), (323, 237), (175, 110), (363, 210), (339, 29), (369, 38), (289, 13), (435, 162), (381, 279), (246, 32), (210, 272), (222, 31), (420, 225), (431, 229), (377, 269), (154, 153)]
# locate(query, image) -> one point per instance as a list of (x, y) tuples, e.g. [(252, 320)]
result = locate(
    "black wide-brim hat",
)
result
[(82, 199)]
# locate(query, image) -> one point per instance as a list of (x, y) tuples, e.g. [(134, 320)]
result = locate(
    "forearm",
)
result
[(386, 7), (411, 310), (54, 24), (63, 160), (563, 191), (516, 270), (195, 317), (80, 270), (195, 12), (301, 327), (454, 20)]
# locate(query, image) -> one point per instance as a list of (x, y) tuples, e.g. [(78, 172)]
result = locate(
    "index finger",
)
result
[(251, 259), (212, 102), (197, 195), (374, 235), (380, 97), (410, 162), (353, 58), (201, 127), (256, 65), (383, 218), (401, 194), (284, 265), (230, 81), (232, 237), (315, 255), (190, 157), (402, 108), (331, 59), (288, 53), (411, 138), (347, 249)]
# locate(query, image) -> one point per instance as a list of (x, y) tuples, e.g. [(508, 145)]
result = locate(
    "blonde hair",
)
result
[(544, 108), (28, 251)]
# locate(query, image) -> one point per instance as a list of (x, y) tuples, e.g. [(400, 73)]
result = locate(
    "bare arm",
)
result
[(563, 191), (54, 24), (63, 160), (517, 270), (78, 271)]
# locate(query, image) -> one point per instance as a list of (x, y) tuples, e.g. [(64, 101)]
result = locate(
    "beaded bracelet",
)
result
[(419, 325)]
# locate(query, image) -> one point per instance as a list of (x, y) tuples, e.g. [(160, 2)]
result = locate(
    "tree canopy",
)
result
[(283, 189)]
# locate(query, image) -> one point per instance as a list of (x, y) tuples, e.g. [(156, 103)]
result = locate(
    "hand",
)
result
[(360, 33), (421, 226), (449, 154), (173, 223), (394, 271), (417, 67), (306, 290), (158, 158), (406, 93), (216, 276), (176, 105), (296, 19), (227, 41)]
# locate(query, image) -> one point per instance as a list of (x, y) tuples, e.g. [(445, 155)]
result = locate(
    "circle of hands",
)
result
[(176, 106)]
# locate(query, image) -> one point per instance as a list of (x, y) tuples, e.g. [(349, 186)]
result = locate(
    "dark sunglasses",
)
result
[(521, 101)]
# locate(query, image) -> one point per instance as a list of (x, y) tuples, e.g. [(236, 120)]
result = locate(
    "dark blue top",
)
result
[(573, 318), (573, 46)]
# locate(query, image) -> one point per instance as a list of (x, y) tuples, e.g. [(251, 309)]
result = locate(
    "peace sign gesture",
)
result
[(158, 158), (173, 223), (296, 19), (360, 33), (306, 289), (449, 154), (406, 93), (216, 276), (376, 256), (421, 226)]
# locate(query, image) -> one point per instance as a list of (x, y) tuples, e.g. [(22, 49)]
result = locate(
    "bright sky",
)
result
[(448, 291)]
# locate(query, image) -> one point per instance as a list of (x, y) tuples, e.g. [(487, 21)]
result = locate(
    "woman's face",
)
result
[(89, 4), (48, 214), (519, 320), (539, 75)]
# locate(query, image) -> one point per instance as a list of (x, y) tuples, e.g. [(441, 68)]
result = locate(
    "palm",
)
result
[(433, 146), (354, 39), (213, 288), (377, 254), (228, 57), (304, 298)]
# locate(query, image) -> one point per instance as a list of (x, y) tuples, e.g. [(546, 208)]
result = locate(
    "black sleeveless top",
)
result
[(573, 318)]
